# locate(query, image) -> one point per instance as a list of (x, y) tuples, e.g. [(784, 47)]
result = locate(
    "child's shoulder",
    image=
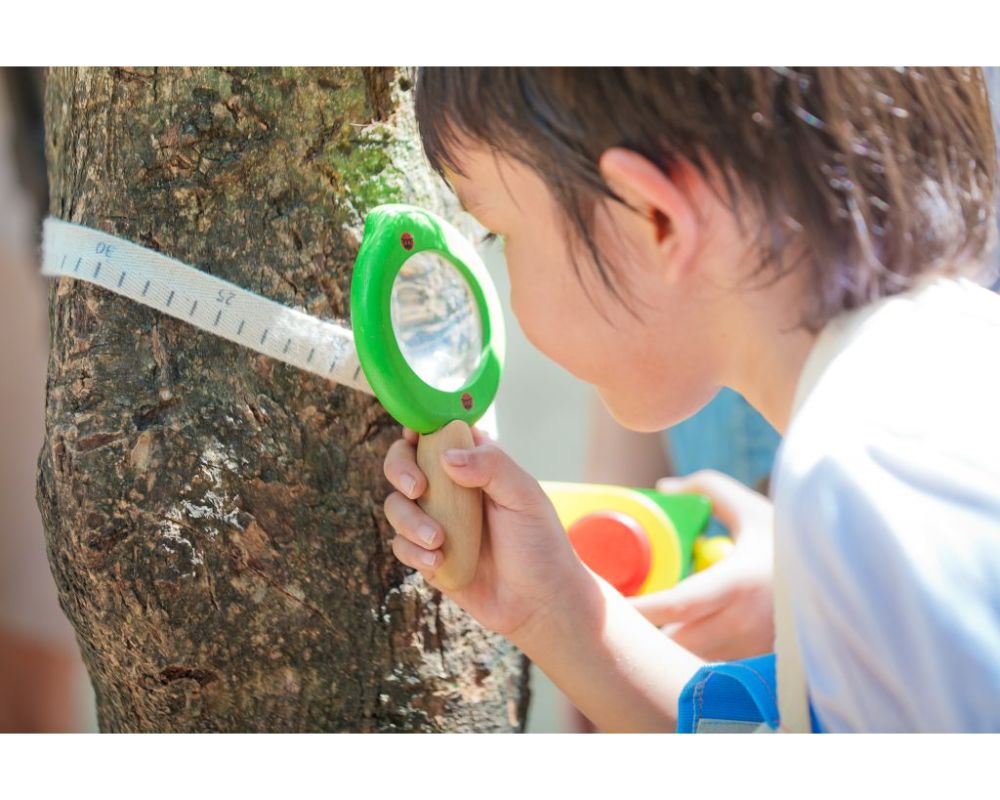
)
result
[(899, 407)]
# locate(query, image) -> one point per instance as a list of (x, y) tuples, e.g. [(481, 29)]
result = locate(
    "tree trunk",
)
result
[(214, 517)]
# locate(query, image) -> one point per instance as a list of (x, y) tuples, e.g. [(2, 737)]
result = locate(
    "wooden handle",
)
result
[(458, 510)]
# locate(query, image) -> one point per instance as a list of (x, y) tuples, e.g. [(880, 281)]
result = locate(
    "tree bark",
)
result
[(213, 517)]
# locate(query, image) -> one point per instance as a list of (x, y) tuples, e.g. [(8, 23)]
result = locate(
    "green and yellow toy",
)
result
[(639, 540)]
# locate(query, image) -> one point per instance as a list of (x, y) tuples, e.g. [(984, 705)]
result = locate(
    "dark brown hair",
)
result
[(882, 175)]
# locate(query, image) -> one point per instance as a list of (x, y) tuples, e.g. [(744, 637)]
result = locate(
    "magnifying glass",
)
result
[(429, 335)]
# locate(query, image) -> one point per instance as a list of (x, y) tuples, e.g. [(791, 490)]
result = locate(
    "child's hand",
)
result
[(525, 560), (725, 612)]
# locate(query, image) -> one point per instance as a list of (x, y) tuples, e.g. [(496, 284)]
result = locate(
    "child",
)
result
[(798, 236)]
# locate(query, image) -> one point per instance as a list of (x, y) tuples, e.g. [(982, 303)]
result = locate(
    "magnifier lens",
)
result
[(436, 321)]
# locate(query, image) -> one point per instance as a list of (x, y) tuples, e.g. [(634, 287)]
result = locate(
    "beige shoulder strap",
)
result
[(793, 698)]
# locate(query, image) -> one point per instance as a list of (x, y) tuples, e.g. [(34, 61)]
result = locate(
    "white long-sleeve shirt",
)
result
[(887, 509)]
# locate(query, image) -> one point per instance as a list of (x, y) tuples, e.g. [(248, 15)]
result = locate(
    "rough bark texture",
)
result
[(214, 517)]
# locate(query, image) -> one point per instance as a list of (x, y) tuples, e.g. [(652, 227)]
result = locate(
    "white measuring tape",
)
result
[(209, 303)]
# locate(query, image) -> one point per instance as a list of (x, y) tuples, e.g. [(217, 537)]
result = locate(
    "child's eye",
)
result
[(489, 238)]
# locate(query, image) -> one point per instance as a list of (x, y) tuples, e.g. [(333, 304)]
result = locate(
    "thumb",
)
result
[(734, 504), (693, 598), (489, 468)]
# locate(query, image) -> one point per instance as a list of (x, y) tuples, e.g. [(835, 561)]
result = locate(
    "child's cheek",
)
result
[(529, 316), (528, 298), (554, 312)]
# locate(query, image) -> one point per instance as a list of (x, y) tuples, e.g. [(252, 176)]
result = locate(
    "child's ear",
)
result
[(664, 224)]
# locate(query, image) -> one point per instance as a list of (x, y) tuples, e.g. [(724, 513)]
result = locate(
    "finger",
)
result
[(696, 596), (725, 635), (727, 494), (410, 435), (425, 561), (479, 436), (708, 637), (410, 522), (489, 468), (401, 470)]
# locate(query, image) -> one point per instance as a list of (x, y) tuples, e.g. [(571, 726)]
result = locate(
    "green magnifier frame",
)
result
[(394, 233)]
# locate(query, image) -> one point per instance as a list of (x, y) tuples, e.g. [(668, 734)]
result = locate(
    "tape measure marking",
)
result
[(209, 303)]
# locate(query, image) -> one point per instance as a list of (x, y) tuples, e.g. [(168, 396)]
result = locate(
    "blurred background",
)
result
[(548, 421), (43, 685)]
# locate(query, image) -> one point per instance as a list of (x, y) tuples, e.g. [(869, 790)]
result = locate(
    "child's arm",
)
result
[(616, 668), (530, 586)]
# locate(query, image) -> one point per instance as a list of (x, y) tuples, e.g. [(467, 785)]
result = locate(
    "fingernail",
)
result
[(429, 558), (426, 533), (457, 458), (409, 484)]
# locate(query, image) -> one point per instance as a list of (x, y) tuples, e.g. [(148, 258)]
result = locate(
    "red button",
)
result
[(614, 546)]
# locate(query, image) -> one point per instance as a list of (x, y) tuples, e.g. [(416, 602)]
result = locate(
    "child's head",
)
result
[(709, 205)]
